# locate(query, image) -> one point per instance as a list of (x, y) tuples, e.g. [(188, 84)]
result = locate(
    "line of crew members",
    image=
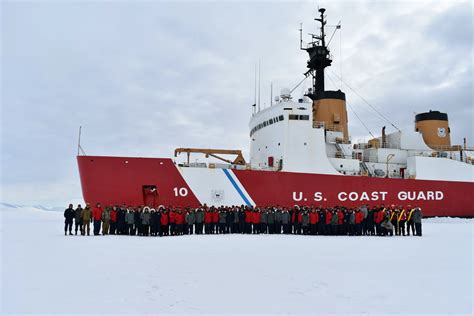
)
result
[(146, 221)]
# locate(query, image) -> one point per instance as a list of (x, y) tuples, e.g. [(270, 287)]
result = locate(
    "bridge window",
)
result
[(267, 123)]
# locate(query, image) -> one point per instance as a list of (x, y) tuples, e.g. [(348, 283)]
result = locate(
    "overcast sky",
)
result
[(143, 78)]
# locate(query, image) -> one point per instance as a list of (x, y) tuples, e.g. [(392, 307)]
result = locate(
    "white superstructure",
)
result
[(285, 137)]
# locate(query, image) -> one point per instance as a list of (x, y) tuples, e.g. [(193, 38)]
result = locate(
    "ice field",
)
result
[(45, 272)]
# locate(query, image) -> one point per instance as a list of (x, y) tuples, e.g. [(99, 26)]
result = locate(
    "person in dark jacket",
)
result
[(199, 221), (130, 221), (153, 218), (263, 221), (410, 223), (190, 220), (78, 219), (285, 220), (417, 216), (69, 215), (271, 221), (305, 222), (145, 217), (229, 220), (222, 222), (235, 224), (158, 222), (278, 215), (242, 225), (121, 224), (185, 223), (138, 221), (322, 221), (370, 222)]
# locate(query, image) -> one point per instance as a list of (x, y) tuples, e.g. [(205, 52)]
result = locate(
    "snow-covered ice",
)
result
[(45, 272)]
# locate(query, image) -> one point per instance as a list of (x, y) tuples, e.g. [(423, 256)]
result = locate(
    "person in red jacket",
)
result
[(340, 222), (313, 221), (113, 220), (378, 219), (327, 226), (97, 216), (256, 221), (215, 221), (172, 220), (249, 220), (179, 222), (164, 222), (296, 218), (358, 218), (207, 221)]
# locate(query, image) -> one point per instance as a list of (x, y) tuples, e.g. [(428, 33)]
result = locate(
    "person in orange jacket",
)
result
[(97, 217)]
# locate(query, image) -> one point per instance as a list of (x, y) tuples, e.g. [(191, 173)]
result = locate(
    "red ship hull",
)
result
[(124, 180)]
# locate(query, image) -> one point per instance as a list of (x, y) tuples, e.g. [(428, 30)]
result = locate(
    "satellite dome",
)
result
[(285, 93)]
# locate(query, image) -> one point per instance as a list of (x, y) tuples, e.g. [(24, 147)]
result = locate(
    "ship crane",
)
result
[(239, 160)]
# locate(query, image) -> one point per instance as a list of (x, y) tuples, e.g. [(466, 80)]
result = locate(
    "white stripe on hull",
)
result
[(213, 187)]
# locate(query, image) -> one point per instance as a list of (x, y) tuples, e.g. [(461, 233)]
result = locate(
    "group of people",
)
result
[(168, 221)]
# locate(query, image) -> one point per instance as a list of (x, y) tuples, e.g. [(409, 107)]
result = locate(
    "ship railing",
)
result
[(327, 127), (318, 124), (370, 159), (450, 148)]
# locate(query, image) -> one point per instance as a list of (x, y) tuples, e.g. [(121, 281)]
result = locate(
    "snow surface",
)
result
[(45, 272)]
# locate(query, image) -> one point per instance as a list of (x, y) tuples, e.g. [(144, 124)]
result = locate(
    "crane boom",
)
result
[(239, 160)]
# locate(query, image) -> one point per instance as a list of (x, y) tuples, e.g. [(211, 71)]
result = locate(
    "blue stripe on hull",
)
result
[(236, 187)]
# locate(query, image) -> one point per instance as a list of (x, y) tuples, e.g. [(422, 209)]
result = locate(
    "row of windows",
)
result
[(298, 117), (266, 123)]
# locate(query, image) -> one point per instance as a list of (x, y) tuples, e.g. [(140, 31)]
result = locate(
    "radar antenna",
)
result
[(319, 57)]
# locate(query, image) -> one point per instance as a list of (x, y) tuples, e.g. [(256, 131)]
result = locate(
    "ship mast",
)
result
[(319, 57)]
